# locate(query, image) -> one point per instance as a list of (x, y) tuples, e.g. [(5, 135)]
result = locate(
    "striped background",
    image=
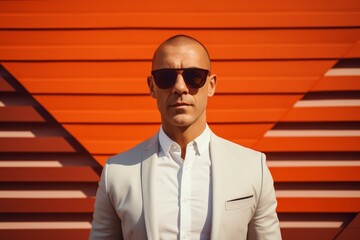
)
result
[(73, 92)]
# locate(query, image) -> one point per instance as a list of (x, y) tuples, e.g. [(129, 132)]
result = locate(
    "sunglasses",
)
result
[(194, 77)]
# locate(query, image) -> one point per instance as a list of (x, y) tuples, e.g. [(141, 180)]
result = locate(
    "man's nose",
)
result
[(180, 86)]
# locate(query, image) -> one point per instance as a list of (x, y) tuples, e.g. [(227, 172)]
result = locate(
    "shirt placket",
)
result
[(185, 200)]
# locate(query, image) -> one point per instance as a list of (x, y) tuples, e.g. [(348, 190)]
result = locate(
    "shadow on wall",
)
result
[(48, 180)]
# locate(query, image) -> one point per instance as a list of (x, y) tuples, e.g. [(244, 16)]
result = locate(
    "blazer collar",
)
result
[(216, 156), (148, 189)]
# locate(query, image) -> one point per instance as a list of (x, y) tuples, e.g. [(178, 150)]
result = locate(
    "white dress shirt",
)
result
[(183, 189)]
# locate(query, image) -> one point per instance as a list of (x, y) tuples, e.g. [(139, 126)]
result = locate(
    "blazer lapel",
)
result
[(148, 190), (216, 157)]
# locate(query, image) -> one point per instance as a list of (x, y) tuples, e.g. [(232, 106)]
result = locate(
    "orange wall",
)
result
[(73, 92)]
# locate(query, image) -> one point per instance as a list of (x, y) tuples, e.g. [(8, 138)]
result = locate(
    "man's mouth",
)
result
[(180, 104)]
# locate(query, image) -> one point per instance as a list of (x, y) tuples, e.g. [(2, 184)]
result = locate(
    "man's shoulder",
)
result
[(233, 147), (133, 155), (237, 158)]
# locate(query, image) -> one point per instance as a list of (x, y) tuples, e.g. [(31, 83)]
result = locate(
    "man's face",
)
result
[(181, 105)]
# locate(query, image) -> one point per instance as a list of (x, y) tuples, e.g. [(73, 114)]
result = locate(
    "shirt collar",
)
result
[(201, 143)]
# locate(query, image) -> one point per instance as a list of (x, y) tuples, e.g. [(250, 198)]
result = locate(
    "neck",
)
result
[(183, 135)]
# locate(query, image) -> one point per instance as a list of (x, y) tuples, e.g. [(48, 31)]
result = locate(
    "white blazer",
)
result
[(244, 200)]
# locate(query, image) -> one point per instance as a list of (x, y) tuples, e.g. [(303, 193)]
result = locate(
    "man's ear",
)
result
[(212, 85), (151, 86)]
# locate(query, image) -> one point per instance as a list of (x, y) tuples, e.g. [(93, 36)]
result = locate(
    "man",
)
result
[(185, 182)]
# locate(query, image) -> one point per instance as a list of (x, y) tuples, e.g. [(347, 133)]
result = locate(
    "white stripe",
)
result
[(10, 134), (42, 194), (318, 193), (313, 133), (343, 72), (45, 225), (30, 164), (328, 103), (310, 224), (2, 104), (311, 163)]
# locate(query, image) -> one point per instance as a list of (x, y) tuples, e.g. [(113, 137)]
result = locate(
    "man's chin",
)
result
[(181, 120)]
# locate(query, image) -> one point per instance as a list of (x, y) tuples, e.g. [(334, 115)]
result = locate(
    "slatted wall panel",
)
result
[(288, 85), (47, 179)]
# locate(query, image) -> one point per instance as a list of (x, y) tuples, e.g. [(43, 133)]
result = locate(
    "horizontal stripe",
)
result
[(50, 194), (287, 71), (318, 193), (226, 6), (153, 116), (313, 133), (310, 163), (140, 51), (343, 72), (43, 144), (179, 19), (11, 134), (136, 85), (213, 38), (176, 19), (310, 224), (307, 144), (328, 103), (87, 225), (44, 225), (74, 103), (42, 194), (30, 164)]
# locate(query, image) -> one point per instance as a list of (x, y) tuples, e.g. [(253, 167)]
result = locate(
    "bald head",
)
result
[(181, 51)]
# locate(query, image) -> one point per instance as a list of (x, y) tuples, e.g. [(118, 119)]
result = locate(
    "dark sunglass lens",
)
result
[(165, 78), (195, 78)]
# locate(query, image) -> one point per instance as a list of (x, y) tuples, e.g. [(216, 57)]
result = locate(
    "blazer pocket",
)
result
[(239, 203)]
